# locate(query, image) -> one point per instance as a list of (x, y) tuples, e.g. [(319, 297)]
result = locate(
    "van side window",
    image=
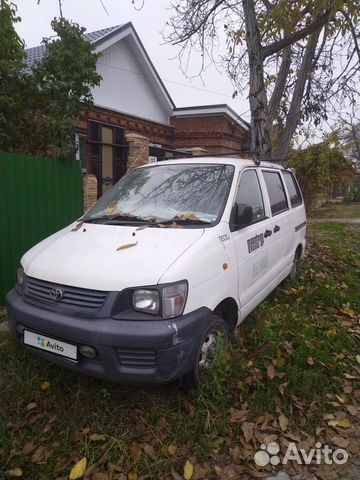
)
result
[(293, 189), (276, 192), (249, 194)]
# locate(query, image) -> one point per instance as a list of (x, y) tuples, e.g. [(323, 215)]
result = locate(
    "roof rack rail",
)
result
[(257, 161)]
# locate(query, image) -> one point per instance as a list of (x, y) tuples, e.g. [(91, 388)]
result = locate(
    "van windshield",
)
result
[(188, 194)]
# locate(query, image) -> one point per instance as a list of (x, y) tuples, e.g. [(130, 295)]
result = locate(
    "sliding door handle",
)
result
[(267, 233)]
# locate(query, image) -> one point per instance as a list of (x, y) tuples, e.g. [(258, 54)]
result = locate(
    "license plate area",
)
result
[(50, 344)]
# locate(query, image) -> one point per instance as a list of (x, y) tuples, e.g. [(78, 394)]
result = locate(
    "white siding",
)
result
[(126, 85)]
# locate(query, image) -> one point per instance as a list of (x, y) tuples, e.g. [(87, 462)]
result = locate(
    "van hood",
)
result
[(90, 257)]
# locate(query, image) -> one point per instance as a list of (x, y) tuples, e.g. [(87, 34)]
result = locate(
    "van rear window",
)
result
[(276, 192), (293, 189)]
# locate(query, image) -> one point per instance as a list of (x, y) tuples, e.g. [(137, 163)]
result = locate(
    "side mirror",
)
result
[(242, 216)]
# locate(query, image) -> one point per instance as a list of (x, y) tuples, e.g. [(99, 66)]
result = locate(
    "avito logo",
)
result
[(49, 345), (321, 454)]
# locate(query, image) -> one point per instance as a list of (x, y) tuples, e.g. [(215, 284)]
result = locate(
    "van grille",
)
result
[(137, 357), (70, 297)]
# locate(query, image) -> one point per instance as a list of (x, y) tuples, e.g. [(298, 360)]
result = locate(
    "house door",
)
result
[(106, 154)]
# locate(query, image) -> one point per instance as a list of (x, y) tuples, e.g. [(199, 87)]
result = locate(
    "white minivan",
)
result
[(139, 288)]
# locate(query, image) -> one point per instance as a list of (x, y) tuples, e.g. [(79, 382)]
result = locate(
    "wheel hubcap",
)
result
[(206, 349)]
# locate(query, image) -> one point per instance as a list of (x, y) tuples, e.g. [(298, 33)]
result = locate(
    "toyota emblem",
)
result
[(56, 294)]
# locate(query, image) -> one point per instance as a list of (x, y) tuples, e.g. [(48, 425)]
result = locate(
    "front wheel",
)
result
[(217, 328)]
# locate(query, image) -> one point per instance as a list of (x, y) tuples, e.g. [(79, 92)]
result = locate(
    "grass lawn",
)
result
[(291, 375), (337, 210)]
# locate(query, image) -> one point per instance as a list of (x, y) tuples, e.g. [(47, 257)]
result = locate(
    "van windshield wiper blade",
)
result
[(181, 221), (126, 217)]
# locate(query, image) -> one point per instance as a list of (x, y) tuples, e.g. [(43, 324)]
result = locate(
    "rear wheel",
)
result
[(217, 328)]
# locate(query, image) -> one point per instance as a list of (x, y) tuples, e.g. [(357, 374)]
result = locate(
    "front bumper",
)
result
[(128, 351)]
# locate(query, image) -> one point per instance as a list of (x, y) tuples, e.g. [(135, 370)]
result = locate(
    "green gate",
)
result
[(39, 196)]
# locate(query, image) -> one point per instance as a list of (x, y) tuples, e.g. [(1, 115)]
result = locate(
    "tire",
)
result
[(217, 325), (295, 265)]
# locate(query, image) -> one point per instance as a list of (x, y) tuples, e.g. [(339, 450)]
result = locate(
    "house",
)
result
[(134, 117)]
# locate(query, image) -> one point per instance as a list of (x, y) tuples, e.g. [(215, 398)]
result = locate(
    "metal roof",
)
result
[(36, 54)]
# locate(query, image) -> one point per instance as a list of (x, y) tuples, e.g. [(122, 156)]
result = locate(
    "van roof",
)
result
[(217, 160)]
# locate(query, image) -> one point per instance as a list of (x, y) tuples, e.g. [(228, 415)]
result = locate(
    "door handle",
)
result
[(267, 233), (276, 228)]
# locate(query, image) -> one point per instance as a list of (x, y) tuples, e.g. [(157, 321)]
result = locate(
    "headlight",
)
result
[(146, 301), (173, 299), (20, 275)]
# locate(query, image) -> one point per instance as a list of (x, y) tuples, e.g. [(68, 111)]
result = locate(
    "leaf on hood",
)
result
[(188, 470), (126, 245), (78, 470), (77, 227)]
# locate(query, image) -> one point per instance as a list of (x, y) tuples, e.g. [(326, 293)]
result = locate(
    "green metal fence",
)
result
[(39, 196)]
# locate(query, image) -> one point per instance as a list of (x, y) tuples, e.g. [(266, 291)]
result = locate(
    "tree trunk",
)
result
[(293, 117), (260, 131)]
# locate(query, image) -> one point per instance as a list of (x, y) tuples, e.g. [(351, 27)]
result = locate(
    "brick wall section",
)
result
[(155, 132), (138, 152), (215, 133), (90, 190)]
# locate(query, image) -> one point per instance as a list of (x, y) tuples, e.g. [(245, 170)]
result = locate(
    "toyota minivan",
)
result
[(176, 253)]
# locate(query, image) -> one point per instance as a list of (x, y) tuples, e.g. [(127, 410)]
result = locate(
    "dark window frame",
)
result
[(253, 169), (266, 170), (297, 188)]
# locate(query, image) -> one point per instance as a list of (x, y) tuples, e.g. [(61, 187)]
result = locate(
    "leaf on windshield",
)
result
[(78, 226), (186, 216), (126, 245), (111, 208)]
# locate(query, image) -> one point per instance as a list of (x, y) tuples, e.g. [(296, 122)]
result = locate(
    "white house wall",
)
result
[(125, 87)]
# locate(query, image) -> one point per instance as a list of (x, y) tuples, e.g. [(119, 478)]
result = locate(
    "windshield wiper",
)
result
[(181, 221), (120, 217)]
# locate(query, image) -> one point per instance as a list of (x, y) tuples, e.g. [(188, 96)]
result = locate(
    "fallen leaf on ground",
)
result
[(283, 422), (172, 449), (352, 410), (78, 470), (14, 472), (271, 371), (28, 448), (96, 437), (188, 470), (339, 423), (41, 454), (132, 476), (248, 430), (45, 385), (340, 441), (149, 450)]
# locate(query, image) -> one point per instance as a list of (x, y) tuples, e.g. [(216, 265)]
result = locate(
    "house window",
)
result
[(106, 154)]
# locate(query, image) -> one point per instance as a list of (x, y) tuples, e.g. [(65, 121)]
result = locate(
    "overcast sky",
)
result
[(149, 23)]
